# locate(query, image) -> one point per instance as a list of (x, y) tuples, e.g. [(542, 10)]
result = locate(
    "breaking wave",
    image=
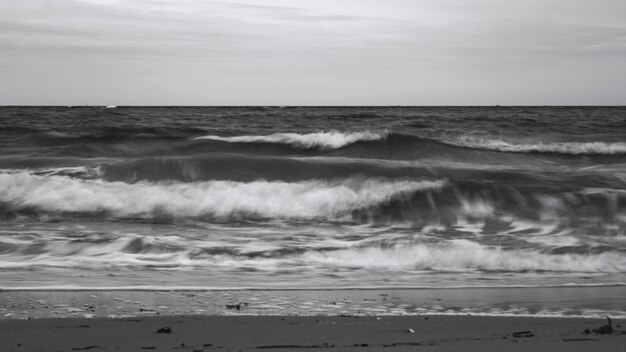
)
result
[(572, 148), (465, 255), (418, 146), (214, 199), (321, 140), (451, 256)]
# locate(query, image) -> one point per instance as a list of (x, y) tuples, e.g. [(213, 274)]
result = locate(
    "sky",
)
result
[(312, 52)]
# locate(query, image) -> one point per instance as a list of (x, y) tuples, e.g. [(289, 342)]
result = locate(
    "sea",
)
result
[(310, 198)]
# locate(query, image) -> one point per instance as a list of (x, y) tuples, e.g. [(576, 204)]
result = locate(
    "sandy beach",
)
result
[(291, 333), (350, 320)]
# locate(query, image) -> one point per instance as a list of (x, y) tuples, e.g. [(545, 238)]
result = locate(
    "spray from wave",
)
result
[(216, 199), (321, 140)]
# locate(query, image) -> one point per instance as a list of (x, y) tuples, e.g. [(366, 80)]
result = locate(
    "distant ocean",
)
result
[(312, 197)]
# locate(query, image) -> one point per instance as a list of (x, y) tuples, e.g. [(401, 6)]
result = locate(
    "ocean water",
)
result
[(312, 197)]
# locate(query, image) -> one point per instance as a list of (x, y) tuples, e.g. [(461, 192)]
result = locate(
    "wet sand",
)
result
[(293, 333), (349, 320)]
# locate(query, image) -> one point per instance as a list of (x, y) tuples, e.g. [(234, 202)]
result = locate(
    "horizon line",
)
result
[(302, 106)]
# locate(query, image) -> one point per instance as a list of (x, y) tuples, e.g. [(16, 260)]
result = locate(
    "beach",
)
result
[(292, 333), (362, 320)]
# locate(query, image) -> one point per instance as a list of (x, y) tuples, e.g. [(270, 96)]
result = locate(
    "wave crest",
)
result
[(321, 140), (573, 148), (215, 199)]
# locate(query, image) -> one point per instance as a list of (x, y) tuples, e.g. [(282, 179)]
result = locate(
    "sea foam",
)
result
[(322, 140), (219, 199)]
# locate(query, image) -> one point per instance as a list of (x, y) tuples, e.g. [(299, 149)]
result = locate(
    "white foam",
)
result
[(220, 199), (322, 140), (457, 256), (464, 255), (574, 148)]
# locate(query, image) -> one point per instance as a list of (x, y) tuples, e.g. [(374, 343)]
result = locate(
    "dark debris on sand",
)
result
[(164, 330), (237, 306), (523, 334), (603, 330)]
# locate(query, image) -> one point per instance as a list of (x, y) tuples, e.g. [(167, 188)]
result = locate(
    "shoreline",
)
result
[(566, 302), (270, 289)]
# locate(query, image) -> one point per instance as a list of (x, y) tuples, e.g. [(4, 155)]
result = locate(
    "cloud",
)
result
[(302, 51), (174, 26)]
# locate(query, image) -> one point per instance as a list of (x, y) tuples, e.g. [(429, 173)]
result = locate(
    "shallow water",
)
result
[(587, 302)]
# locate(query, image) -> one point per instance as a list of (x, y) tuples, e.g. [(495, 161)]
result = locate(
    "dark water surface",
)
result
[(300, 197)]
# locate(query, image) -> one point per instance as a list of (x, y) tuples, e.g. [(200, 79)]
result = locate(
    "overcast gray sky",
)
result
[(313, 52)]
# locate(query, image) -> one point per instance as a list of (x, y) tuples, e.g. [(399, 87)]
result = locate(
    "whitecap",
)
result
[(464, 255), (573, 148), (322, 140), (218, 199)]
